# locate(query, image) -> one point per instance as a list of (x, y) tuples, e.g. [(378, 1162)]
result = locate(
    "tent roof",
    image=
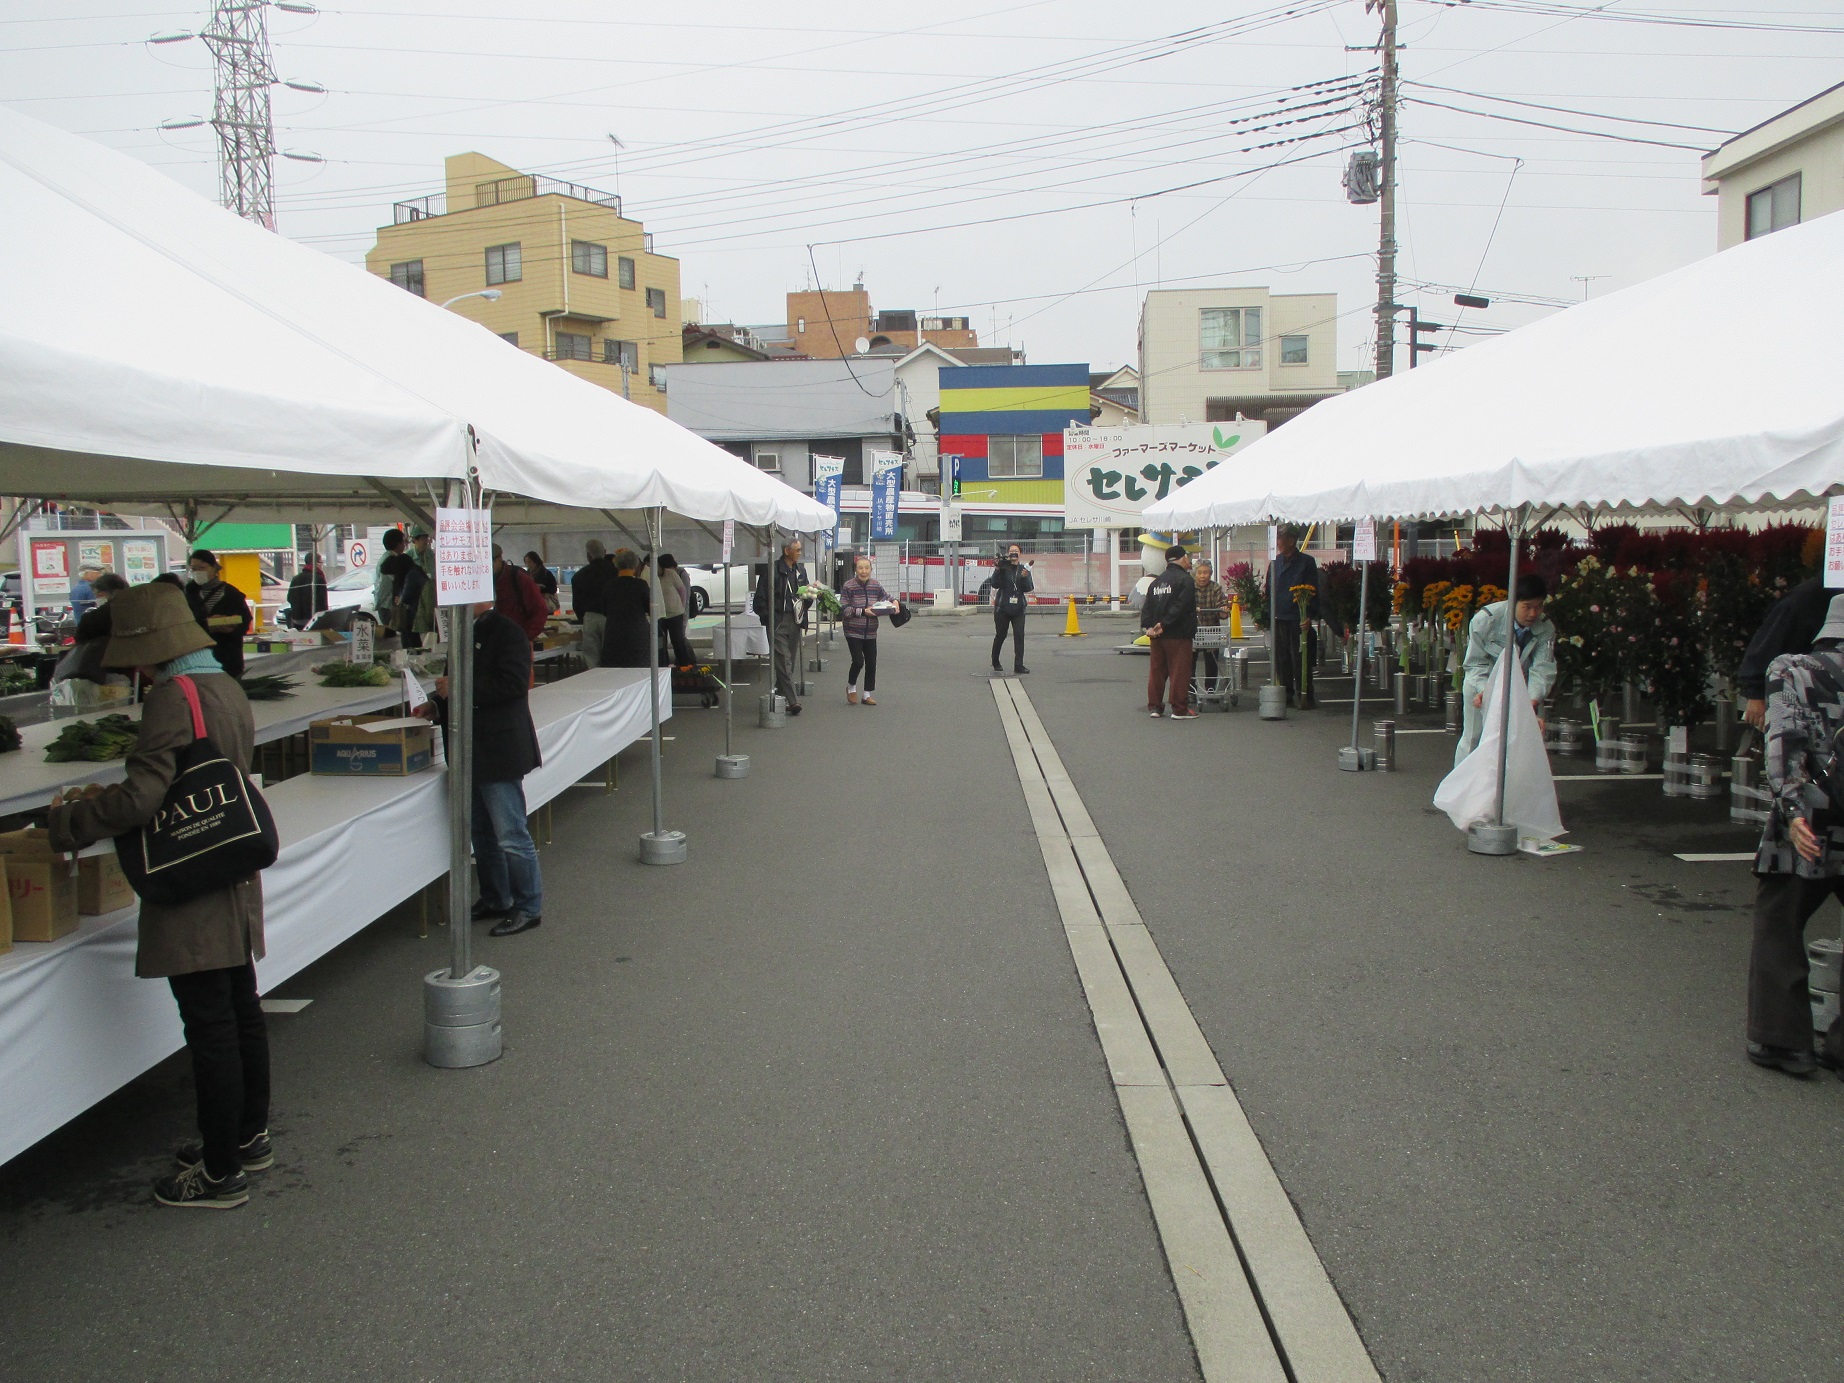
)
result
[(1714, 385), (156, 348)]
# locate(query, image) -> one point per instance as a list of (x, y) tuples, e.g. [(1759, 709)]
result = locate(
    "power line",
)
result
[(1566, 110), (1565, 129), (1547, 9)]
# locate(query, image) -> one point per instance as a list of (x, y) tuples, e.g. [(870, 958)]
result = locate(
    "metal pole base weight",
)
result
[(1484, 838), (1356, 760), (732, 765), (1273, 703), (773, 711), (461, 1018), (662, 847)]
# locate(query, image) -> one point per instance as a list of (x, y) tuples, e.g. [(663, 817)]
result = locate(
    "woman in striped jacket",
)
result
[(864, 600)]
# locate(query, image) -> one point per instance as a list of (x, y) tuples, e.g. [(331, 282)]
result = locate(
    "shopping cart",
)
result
[(1219, 692)]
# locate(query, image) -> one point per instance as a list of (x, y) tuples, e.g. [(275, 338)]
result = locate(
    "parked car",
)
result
[(707, 587), (353, 589)]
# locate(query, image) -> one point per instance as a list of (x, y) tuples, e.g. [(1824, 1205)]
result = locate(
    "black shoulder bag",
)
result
[(212, 829)]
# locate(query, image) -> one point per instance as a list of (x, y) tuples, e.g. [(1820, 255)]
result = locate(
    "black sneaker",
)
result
[(1156, 712), (1794, 1063), (483, 912), (193, 1189), (257, 1155), (1021, 672), (515, 924)]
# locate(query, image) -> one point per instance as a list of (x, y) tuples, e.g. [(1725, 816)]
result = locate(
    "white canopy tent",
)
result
[(156, 351), (1714, 385)]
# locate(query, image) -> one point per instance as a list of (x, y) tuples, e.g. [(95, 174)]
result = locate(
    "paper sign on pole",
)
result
[(886, 487), (1364, 541), (50, 568), (1834, 543), (951, 525), (463, 556), (1274, 542), (413, 692), (729, 539)]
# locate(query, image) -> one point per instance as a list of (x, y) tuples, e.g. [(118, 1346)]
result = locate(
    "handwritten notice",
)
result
[(1834, 544), (1364, 541), (463, 556)]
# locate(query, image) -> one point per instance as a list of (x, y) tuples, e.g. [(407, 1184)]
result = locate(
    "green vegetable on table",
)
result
[(353, 675), (14, 678), (268, 688), (9, 735), (111, 737)]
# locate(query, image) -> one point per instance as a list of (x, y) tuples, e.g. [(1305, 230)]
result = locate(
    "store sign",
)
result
[(463, 556), (1834, 544), (951, 525), (1364, 542), (1112, 473), (886, 490)]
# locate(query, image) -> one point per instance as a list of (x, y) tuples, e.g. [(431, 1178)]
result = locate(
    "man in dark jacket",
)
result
[(789, 579), (1011, 591), (589, 599), (1791, 624), (307, 594), (505, 750), (1169, 617), (1289, 569), (401, 581)]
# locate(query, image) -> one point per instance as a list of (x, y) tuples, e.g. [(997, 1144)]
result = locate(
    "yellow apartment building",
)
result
[(578, 282)]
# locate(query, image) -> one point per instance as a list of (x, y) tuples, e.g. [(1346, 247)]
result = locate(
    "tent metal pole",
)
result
[(730, 764), (658, 846), (1357, 689), (1498, 838), (404, 503)]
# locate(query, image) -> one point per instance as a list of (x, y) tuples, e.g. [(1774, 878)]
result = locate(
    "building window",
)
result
[(621, 352), (656, 301), (571, 346), (1229, 338), (1774, 207), (586, 257), (768, 460), (503, 264), (800, 329), (409, 276), (656, 376), (1293, 350), (1015, 458), (511, 338), (625, 268)]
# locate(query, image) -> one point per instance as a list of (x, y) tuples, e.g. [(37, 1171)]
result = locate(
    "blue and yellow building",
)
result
[(1005, 423)]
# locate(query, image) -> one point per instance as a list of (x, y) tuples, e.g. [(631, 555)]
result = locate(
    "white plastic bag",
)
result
[(1469, 794)]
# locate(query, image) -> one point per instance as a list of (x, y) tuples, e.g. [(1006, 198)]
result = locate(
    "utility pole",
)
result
[(1386, 240), (238, 36)]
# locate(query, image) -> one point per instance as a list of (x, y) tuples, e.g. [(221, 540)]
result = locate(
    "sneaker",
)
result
[(486, 912), (1794, 1063), (193, 1189), (1189, 714), (257, 1155), (1156, 712), (1021, 672), (515, 924)]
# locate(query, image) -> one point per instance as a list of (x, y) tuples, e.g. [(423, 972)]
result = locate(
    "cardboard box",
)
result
[(41, 886), (344, 748), (101, 885)]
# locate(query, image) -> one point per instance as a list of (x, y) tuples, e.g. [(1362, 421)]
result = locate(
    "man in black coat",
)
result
[(1792, 622), (1169, 618), (1011, 597), (589, 599), (787, 581), (505, 750)]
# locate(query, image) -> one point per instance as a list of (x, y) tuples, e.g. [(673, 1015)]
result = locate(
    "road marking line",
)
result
[(1718, 857), (1257, 1300), (285, 1005)]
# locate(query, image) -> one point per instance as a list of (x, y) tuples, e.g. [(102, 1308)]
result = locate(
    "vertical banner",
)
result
[(829, 489), (1364, 541), (886, 487), (1834, 543), (463, 556)]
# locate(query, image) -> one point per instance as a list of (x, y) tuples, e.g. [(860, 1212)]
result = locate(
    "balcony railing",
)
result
[(502, 190)]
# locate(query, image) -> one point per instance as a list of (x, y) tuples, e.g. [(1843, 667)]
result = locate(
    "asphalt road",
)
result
[(825, 1103)]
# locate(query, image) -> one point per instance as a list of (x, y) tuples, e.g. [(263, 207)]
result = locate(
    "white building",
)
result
[(1212, 354), (1783, 171)]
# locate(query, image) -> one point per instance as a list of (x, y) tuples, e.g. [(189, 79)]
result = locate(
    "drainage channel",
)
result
[(1257, 1301)]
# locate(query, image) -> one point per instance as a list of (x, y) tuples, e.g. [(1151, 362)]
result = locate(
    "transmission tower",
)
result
[(238, 36)]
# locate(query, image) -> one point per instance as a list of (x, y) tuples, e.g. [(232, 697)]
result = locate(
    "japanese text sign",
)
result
[(1112, 474), (1834, 544), (886, 488), (1364, 541), (463, 556)]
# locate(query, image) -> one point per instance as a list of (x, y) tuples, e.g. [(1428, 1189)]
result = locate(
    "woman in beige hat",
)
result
[(207, 948)]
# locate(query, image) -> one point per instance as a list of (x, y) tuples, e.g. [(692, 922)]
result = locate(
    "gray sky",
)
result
[(991, 157)]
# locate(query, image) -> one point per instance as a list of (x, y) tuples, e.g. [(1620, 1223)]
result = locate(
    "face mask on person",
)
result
[(204, 575)]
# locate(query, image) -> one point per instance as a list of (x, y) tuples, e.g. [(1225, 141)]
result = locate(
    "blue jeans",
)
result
[(503, 850)]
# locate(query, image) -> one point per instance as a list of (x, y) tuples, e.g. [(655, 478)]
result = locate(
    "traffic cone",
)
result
[(1235, 619), (1072, 627)]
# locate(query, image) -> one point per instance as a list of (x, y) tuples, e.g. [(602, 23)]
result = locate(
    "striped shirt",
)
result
[(856, 596)]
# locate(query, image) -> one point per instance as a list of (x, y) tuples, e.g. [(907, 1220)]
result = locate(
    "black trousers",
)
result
[(1287, 652), (673, 627), (1013, 620), (864, 658), (229, 1043), (1779, 1011)]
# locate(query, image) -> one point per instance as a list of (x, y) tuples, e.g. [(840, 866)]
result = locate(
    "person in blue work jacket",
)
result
[(1485, 644), (1291, 568)]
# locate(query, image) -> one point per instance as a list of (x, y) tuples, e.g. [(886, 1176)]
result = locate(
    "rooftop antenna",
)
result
[(1585, 279), (619, 146)]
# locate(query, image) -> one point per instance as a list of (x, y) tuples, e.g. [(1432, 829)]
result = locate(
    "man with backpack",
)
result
[(1800, 862)]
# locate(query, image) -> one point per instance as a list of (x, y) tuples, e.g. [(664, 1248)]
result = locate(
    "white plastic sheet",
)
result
[(1469, 794)]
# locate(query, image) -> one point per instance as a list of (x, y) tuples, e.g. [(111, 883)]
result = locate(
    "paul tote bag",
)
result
[(212, 830)]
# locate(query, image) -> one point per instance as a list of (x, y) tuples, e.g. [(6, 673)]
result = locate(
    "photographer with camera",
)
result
[(1011, 589)]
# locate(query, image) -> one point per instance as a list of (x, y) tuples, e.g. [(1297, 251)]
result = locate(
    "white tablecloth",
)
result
[(748, 636), (75, 1023)]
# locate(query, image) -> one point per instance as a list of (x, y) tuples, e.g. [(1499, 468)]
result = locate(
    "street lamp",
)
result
[(490, 294)]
